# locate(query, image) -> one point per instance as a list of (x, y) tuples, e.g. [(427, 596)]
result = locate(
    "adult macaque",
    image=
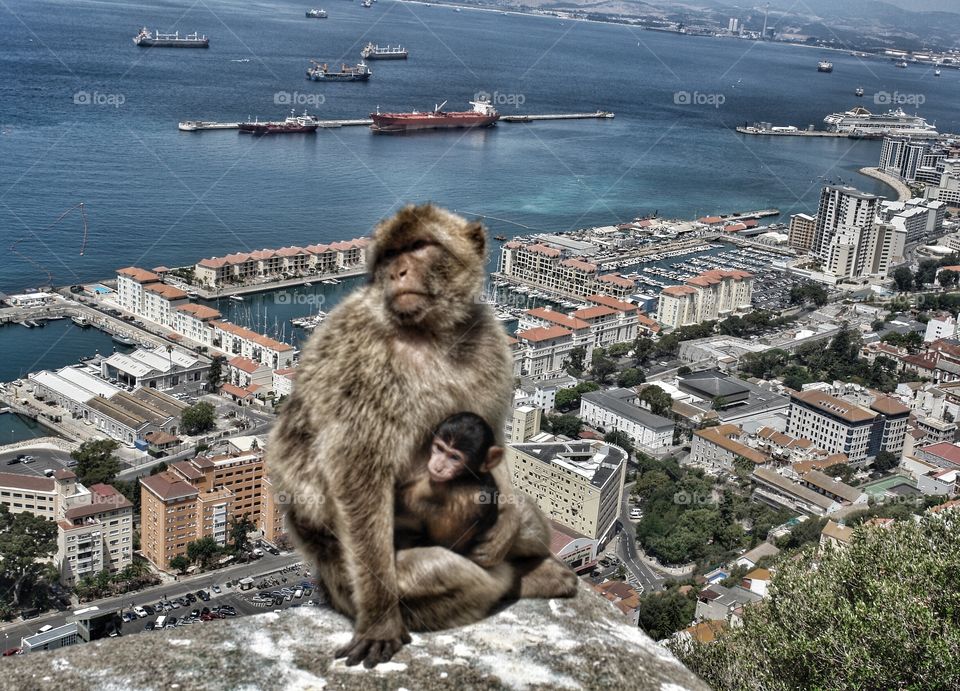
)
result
[(395, 358)]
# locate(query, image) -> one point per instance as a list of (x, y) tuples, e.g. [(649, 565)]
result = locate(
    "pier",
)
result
[(201, 125)]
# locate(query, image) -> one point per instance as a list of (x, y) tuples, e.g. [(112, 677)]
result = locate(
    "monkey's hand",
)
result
[(493, 546), (376, 645)]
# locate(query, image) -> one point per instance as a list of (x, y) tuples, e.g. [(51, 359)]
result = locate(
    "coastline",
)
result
[(902, 191)]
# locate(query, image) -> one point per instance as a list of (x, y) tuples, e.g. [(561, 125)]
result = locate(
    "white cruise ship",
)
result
[(861, 122)]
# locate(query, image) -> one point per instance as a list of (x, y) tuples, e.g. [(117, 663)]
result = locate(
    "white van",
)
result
[(161, 622)]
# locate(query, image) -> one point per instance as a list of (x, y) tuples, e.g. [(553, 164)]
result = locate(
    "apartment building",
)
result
[(131, 284), (802, 231), (522, 424), (842, 208), (201, 498), (94, 526), (564, 271), (712, 295), (195, 322), (839, 426), (720, 446), (578, 484), (239, 340), (543, 351)]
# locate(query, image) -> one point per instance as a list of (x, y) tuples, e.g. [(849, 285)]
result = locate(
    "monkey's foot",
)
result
[(372, 651)]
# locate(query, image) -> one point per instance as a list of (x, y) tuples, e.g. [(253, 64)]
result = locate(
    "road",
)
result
[(14, 632)]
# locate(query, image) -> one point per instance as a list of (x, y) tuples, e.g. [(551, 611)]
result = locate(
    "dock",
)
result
[(597, 115), (201, 125)]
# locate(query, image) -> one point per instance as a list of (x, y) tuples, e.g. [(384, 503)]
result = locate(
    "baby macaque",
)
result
[(454, 501)]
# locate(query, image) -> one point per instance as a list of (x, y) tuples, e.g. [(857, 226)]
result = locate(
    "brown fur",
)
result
[(372, 386)]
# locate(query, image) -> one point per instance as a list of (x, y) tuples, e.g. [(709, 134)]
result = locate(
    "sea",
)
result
[(87, 116)]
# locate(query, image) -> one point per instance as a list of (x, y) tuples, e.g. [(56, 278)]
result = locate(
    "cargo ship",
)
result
[(372, 51), (316, 14), (295, 124), (321, 73), (148, 39), (482, 115)]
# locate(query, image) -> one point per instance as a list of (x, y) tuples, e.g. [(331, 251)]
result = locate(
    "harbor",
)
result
[(202, 125), (791, 131)]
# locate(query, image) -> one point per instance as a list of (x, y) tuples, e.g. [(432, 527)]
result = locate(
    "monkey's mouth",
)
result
[(409, 302)]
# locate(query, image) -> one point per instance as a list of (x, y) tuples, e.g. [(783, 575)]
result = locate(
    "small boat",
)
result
[(123, 340), (500, 238), (366, 3), (308, 285), (859, 91), (316, 14), (28, 324), (936, 72), (80, 321), (825, 66), (236, 298), (902, 64)]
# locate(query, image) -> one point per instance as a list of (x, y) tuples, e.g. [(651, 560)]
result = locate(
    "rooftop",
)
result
[(609, 400), (831, 405), (593, 461)]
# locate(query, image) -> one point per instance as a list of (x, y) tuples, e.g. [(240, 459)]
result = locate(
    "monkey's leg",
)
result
[(325, 552), (440, 589), (545, 578)]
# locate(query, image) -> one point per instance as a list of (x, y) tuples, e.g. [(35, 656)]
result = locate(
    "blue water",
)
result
[(14, 428), (155, 195), (57, 344)]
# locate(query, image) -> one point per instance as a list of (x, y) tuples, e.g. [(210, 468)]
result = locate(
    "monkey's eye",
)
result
[(418, 245)]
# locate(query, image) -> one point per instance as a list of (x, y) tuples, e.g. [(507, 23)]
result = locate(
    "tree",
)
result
[(239, 531), (576, 361), (903, 278), (180, 563), (947, 278), (567, 425), (96, 462), (566, 399), (202, 551), (198, 418), (926, 273), (26, 541), (659, 400), (719, 402), (602, 366), (664, 613), (215, 374), (630, 377), (619, 438), (802, 636), (885, 461)]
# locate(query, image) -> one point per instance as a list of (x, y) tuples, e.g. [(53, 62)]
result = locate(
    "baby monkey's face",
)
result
[(446, 461)]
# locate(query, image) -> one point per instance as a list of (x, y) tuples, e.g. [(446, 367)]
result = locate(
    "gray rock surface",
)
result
[(582, 643)]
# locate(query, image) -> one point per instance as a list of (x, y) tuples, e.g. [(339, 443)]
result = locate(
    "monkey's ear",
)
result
[(477, 236), (494, 456)]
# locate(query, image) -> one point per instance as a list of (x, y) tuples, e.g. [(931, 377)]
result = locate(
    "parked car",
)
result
[(150, 610), (216, 588), (12, 651), (140, 611), (149, 626)]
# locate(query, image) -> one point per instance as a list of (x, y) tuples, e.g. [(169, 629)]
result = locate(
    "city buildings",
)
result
[(560, 265), (618, 410), (158, 368), (94, 525), (578, 484), (913, 160), (720, 446), (948, 188), (200, 498), (840, 426), (802, 232), (710, 296)]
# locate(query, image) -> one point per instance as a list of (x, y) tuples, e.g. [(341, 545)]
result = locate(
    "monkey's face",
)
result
[(428, 267), (446, 462)]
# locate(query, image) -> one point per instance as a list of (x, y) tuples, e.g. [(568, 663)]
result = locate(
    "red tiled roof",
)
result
[(679, 291), (168, 292), (244, 364), (543, 333), (544, 250), (579, 264), (945, 450), (594, 312), (167, 486), (237, 391), (558, 318), (612, 303), (27, 482), (198, 311), (139, 275), (260, 339), (617, 280)]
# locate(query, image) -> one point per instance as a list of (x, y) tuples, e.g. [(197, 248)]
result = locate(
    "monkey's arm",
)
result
[(365, 505), (493, 546)]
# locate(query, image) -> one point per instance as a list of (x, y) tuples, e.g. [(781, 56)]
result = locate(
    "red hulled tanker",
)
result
[(482, 115)]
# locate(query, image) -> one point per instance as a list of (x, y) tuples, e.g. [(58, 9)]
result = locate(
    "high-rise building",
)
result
[(842, 208), (733, 26), (803, 228), (578, 484), (712, 295)]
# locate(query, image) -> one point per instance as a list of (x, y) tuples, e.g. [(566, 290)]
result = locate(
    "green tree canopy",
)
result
[(202, 551), (198, 418), (25, 541), (879, 614), (659, 400), (619, 438), (903, 278), (567, 425), (96, 462), (180, 563)]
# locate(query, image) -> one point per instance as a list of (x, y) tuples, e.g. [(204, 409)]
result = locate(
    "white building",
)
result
[(944, 326), (578, 484), (283, 381), (157, 368), (617, 410), (543, 351), (710, 296)]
